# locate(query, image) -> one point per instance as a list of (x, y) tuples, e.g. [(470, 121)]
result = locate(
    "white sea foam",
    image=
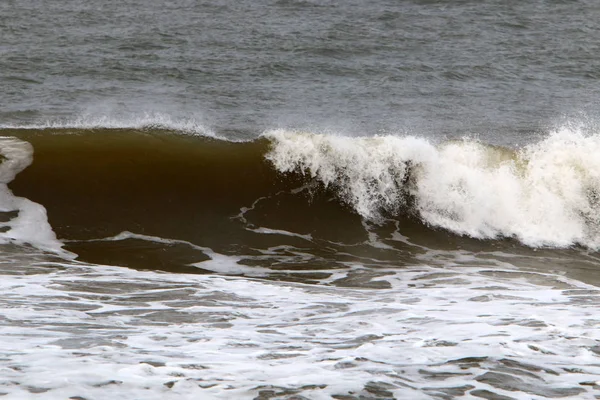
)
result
[(30, 224), (219, 263), (268, 231), (546, 194), (105, 332), (227, 264)]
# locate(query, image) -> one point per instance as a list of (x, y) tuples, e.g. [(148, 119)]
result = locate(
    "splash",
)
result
[(24, 222), (546, 194)]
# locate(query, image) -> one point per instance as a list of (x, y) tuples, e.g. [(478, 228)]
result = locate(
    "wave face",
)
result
[(210, 197), (545, 194)]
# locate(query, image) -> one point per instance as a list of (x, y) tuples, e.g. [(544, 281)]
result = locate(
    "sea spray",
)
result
[(545, 194)]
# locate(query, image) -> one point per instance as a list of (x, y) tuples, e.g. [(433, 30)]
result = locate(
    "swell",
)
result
[(96, 182), (303, 190)]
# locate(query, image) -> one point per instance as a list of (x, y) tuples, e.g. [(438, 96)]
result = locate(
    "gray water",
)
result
[(501, 70), (353, 246)]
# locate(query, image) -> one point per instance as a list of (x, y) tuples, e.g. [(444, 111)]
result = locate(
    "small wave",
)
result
[(143, 121), (546, 194)]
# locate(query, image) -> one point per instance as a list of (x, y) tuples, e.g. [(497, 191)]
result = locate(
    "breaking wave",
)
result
[(545, 194), (98, 182)]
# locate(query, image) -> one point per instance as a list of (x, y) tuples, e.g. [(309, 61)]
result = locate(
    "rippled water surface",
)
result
[(299, 199), (493, 68)]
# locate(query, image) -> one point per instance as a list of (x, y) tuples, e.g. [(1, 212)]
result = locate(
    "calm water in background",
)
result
[(497, 69), (289, 187)]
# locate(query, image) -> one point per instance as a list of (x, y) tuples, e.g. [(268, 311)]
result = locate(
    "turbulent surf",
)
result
[(97, 183), (270, 238), (299, 199)]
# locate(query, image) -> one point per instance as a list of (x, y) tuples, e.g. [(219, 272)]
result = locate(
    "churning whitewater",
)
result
[(297, 265), (545, 194), (23, 221), (300, 199)]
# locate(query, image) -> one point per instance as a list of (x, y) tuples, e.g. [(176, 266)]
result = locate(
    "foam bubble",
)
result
[(547, 194)]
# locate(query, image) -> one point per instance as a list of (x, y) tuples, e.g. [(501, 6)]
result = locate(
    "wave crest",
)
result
[(144, 121), (546, 194)]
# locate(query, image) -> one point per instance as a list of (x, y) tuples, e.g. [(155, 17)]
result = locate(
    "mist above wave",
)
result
[(154, 120)]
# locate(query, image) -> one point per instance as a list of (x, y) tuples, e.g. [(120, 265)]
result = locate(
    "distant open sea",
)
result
[(300, 199)]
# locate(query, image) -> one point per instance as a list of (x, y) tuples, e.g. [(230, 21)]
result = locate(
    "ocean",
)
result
[(299, 199)]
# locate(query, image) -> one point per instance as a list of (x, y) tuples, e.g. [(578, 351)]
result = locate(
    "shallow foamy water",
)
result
[(86, 331)]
